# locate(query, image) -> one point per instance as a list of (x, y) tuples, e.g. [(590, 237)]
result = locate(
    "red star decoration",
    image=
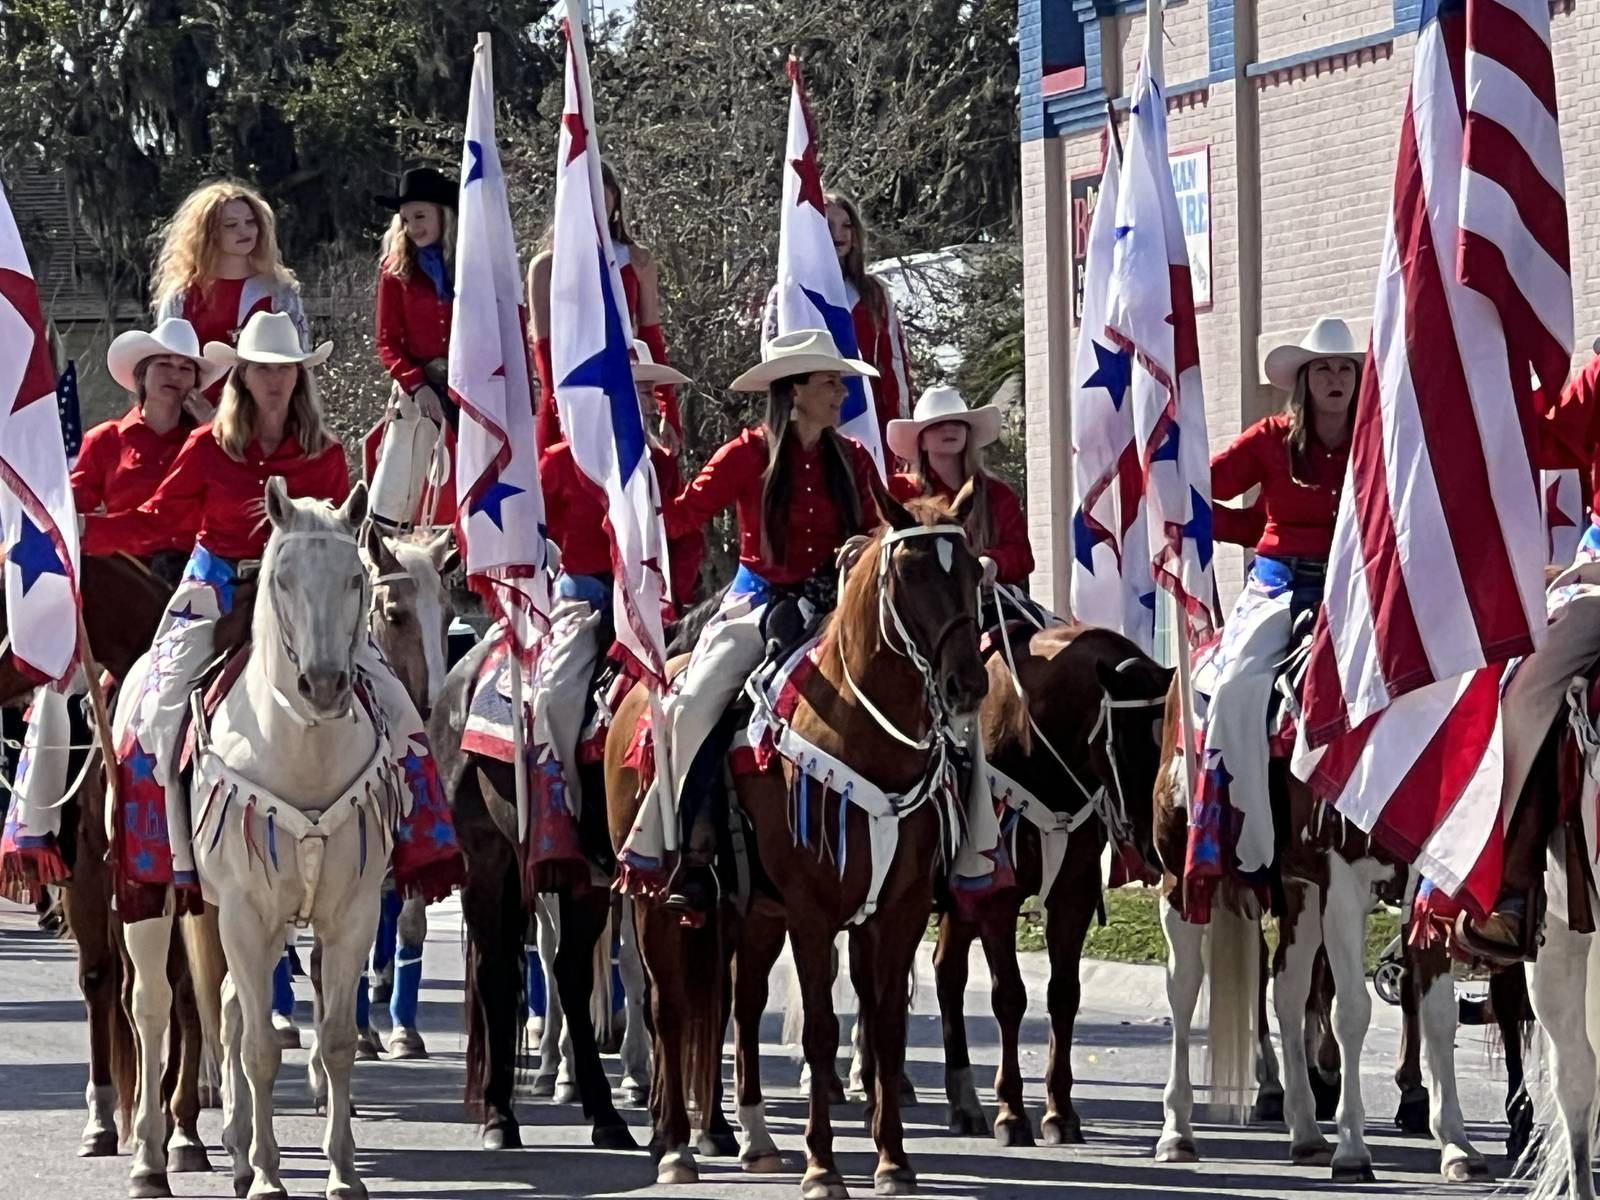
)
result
[(1556, 516), (38, 377), (1185, 341), (578, 132), (810, 179)]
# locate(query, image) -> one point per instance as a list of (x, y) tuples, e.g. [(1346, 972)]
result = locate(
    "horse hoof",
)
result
[(1013, 1133), (761, 1162), (1412, 1116), (720, 1143), (185, 1160), (636, 1097), (1056, 1131), (968, 1124), (678, 1167), (99, 1145), (406, 1044), (148, 1186), (354, 1191), (241, 1187), (566, 1093), (503, 1137), (1180, 1150), (613, 1137), (1268, 1109), (1465, 1170), (543, 1088), (823, 1185), (1354, 1173), (1317, 1154), (368, 1047), (894, 1181)]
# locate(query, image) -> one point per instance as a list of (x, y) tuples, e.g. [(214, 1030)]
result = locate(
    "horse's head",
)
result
[(1127, 751), (919, 580), (311, 607), (411, 606)]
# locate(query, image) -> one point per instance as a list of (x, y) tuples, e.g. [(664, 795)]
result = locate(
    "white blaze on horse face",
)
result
[(316, 586), (947, 555)]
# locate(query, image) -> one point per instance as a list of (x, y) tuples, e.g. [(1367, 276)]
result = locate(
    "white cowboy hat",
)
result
[(1328, 338), (935, 406), (798, 353), (647, 370), (172, 336), (268, 337)]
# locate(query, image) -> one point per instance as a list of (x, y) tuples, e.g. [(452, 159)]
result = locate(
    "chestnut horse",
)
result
[(897, 660), (1077, 727)]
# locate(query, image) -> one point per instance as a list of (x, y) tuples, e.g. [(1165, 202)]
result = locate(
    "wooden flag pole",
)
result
[(102, 724)]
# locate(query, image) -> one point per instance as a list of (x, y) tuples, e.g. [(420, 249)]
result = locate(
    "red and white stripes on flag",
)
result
[(1150, 314), (500, 521), (591, 340), (1437, 575), (37, 514), (1438, 555)]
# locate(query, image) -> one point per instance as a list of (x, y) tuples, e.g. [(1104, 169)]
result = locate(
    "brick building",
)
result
[(1285, 117)]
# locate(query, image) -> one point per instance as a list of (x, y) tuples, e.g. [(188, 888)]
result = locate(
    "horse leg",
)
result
[(814, 967), (863, 1067), (344, 947), (253, 946), (1560, 998), (661, 944), (235, 1089), (1460, 1160), (582, 920), (1413, 1114), (87, 906), (148, 944), (885, 969), (1508, 994), (950, 954), (760, 942), (405, 1041), (1299, 938), (1269, 1085), (636, 1036), (552, 1039), (1322, 1045), (1344, 937), (1008, 997), (185, 1151), (491, 904), (1185, 973), (1070, 906)]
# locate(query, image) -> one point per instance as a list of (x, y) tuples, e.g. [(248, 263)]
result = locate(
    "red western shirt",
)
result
[(1010, 549), (1569, 430), (881, 343), (412, 328), (1299, 512), (575, 514), (210, 498), (815, 526), (122, 461)]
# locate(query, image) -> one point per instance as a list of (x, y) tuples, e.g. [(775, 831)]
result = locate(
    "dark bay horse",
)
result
[(1079, 728), (871, 703)]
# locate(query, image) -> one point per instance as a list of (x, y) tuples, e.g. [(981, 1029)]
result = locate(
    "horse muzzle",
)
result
[(325, 690), (964, 686)]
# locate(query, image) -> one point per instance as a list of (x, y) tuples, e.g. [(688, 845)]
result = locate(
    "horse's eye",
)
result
[(355, 580), (395, 615)]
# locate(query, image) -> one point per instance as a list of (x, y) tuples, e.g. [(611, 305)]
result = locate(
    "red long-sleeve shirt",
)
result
[(1569, 430), (814, 524), (210, 498), (122, 462), (1299, 512), (1011, 550), (412, 327)]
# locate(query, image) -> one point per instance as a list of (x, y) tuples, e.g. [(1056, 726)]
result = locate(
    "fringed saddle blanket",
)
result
[(489, 730)]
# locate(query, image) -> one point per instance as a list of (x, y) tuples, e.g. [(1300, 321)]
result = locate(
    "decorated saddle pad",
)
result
[(488, 731)]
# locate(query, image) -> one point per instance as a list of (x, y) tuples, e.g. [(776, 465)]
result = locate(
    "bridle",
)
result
[(286, 643)]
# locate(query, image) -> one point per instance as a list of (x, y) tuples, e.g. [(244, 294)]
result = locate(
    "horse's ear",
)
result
[(961, 506), (896, 514), (280, 509), (376, 549), (354, 509), (442, 553)]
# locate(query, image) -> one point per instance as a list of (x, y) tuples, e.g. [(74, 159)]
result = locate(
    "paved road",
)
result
[(415, 1141)]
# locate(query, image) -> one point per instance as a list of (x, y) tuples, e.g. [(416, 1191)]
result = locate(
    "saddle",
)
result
[(212, 687)]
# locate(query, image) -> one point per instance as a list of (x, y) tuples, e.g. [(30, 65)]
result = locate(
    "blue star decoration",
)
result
[(610, 371), (836, 320), (1198, 527), (1085, 539), (141, 764), (1148, 600), (1113, 371), (1167, 451), (35, 555), (475, 168), (185, 614), (488, 501)]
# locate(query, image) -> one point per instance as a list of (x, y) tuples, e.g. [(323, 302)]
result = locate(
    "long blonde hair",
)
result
[(399, 256), (188, 243), (234, 426), (980, 521)]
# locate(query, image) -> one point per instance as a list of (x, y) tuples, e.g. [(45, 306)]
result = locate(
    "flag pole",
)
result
[(102, 723)]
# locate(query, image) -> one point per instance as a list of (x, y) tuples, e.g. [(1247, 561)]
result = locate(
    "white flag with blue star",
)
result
[(501, 509), (1150, 314), (591, 345), (37, 514), (811, 292), (1111, 580)]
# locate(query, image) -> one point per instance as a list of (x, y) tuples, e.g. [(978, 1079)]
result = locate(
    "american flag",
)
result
[(1437, 572), (69, 412), (1150, 315)]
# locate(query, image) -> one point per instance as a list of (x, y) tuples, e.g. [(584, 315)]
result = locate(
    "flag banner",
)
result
[(37, 515), (1112, 584), (500, 522), (1566, 514), (591, 344), (1149, 315), (811, 292)]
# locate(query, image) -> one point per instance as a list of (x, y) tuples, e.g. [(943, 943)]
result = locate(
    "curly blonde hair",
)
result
[(399, 254), (188, 242), (234, 426)]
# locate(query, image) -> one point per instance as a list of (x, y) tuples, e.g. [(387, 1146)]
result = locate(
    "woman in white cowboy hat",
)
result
[(943, 443), (800, 491), (1297, 458)]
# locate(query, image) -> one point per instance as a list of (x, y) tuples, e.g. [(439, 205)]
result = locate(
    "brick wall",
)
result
[(1186, 45), (1578, 91), (1285, 27)]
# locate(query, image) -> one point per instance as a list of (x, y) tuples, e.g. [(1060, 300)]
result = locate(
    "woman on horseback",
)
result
[(640, 285), (879, 338), (416, 295), (580, 625), (119, 465), (1297, 458), (801, 491), (219, 265)]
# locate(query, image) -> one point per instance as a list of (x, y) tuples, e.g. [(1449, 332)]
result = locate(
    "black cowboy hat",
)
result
[(423, 184)]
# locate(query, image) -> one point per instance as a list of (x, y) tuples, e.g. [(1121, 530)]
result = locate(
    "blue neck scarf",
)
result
[(431, 260)]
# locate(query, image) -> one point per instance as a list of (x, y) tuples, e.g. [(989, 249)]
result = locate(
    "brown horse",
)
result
[(874, 703), (1078, 728)]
